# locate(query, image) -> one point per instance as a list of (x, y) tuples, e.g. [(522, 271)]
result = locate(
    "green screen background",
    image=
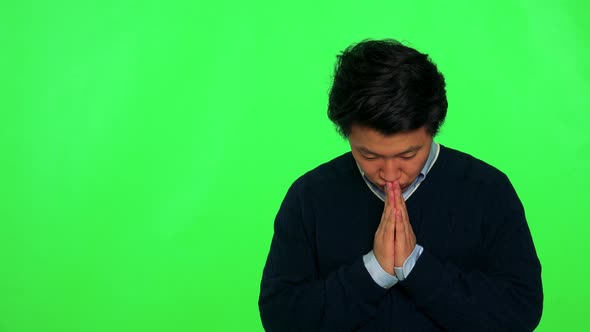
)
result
[(146, 145)]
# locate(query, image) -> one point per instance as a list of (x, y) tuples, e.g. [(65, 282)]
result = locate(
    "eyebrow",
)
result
[(412, 148)]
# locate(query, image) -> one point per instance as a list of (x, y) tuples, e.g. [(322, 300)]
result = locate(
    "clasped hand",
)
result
[(394, 239)]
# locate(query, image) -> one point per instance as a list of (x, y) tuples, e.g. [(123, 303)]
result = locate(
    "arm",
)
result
[(506, 296), (294, 297)]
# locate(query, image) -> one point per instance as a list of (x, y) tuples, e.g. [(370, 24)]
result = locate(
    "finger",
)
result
[(385, 209), (381, 227), (402, 201), (391, 194), (398, 230), (399, 198), (404, 211), (387, 195), (402, 204), (400, 226), (386, 223), (388, 233), (391, 199), (406, 226), (393, 230), (393, 221)]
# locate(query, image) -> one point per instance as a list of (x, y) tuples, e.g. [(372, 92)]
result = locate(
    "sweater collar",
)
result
[(432, 157)]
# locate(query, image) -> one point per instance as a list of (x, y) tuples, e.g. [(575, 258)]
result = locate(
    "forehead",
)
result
[(368, 139)]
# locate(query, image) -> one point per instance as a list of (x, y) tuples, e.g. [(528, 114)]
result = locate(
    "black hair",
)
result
[(386, 86)]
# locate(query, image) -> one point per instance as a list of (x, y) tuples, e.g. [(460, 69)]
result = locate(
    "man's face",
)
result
[(388, 158)]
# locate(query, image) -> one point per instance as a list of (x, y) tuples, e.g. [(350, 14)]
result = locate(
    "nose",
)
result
[(390, 171)]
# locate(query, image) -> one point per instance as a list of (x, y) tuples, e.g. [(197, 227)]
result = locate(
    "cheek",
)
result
[(370, 168), (412, 169)]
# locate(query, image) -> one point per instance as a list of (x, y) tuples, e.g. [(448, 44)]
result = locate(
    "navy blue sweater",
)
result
[(479, 270)]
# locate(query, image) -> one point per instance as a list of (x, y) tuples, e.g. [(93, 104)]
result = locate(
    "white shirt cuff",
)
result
[(380, 276), (403, 272)]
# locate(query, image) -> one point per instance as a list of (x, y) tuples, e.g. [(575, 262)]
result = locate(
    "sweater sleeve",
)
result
[(505, 296), (294, 297)]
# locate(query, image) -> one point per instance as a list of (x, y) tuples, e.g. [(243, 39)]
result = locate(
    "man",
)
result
[(402, 233)]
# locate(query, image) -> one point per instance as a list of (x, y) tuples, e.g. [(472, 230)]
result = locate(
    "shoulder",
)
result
[(463, 167), (341, 169), (336, 180), (475, 180), (473, 193)]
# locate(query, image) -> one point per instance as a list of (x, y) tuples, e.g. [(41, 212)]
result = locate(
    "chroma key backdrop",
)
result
[(145, 146)]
